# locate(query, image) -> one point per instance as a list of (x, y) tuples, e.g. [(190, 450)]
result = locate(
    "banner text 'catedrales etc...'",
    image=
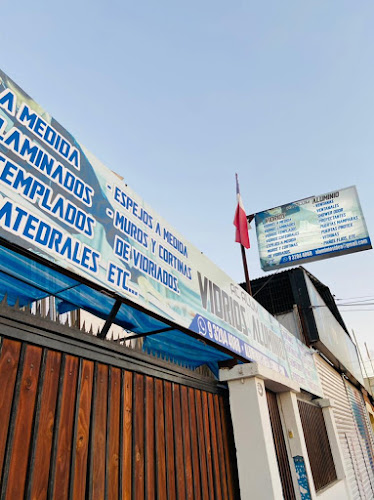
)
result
[(59, 202), (315, 228)]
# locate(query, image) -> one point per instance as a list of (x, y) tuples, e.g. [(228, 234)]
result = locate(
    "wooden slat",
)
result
[(226, 444), (194, 444), (178, 442), (127, 436), (65, 429), (83, 430), (214, 441), (98, 433), (23, 424), (160, 443), (42, 460), (113, 432), (187, 443), (169, 441), (221, 452), (149, 438), (205, 408), (9, 358), (202, 447), (138, 425)]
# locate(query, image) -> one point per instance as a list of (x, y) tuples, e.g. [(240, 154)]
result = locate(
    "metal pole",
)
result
[(244, 259), (362, 361), (367, 350), (246, 273)]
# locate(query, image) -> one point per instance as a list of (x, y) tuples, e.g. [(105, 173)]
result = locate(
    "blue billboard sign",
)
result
[(315, 228)]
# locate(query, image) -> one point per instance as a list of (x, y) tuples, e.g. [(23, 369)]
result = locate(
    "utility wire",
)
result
[(264, 285), (354, 298), (345, 305), (358, 301), (348, 310), (357, 304), (357, 310)]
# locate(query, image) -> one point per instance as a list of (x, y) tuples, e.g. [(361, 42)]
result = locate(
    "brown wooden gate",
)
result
[(280, 447), (83, 418)]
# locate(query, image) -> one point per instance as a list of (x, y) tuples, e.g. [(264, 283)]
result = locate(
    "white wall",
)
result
[(337, 491), (257, 463)]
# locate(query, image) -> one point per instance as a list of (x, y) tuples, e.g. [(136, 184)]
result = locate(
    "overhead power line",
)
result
[(357, 310), (346, 305), (357, 301), (368, 297), (357, 304), (348, 310)]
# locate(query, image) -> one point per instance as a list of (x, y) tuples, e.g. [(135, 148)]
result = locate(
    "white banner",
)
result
[(58, 201)]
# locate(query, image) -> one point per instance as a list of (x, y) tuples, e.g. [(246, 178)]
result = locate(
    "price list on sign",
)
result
[(311, 229), (280, 235)]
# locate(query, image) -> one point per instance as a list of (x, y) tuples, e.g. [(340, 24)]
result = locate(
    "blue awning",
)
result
[(26, 280)]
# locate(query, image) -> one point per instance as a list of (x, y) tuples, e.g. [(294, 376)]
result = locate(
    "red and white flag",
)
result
[(240, 220)]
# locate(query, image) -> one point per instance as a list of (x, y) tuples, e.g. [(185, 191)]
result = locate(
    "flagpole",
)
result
[(244, 258), (246, 273), (241, 223)]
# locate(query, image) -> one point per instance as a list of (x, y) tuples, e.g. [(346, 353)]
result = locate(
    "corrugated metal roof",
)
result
[(275, 293)]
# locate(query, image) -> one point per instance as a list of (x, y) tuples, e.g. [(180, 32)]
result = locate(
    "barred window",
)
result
[(318, 446)]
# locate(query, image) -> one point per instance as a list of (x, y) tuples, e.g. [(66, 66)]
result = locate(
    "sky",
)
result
[(178, 96)]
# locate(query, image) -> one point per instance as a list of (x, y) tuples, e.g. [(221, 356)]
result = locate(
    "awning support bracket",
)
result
[(154, 332), (110, 319)]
